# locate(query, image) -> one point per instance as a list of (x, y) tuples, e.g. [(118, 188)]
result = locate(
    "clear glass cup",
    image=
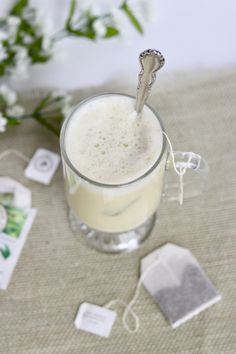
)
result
[(119, 217)]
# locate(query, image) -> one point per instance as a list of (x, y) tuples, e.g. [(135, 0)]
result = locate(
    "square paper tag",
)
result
[(13, 192), (177, 283), (95, 319), (42, 166)]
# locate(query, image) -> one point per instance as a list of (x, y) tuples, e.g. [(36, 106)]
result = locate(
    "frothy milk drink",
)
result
[(109, 147)]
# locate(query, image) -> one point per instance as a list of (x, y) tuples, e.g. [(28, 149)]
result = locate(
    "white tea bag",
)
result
[(177, 282)]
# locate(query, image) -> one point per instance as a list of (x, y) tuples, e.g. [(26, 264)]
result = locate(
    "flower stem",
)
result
[(59, 35), (50, 112), (46, 124)]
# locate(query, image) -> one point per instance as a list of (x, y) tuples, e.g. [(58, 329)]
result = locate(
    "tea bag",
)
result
[(177, 283)]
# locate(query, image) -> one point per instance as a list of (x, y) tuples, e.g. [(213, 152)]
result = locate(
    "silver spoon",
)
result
[(151, 60)]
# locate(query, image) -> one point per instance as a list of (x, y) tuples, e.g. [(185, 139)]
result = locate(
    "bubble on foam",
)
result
[(107, 144)]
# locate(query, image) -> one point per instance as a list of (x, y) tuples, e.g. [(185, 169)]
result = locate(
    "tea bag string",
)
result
[(15, 152), (128, 307), (180, 172)]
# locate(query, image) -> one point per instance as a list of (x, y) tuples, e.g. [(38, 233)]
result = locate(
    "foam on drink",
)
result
[(107, 143)]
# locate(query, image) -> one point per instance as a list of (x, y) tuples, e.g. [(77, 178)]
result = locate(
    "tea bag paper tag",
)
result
[(42, 166), (177, 283), (95, 319)]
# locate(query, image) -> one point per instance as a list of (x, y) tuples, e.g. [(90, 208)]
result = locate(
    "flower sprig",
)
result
[(24, 40), (92, 26), (49, 112)]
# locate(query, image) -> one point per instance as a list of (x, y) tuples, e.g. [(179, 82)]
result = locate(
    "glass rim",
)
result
[(76, 171)]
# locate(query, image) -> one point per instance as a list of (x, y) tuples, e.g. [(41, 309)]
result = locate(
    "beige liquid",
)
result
[(108, 144)]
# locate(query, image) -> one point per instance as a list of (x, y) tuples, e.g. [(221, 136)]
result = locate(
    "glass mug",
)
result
[(118, 217)]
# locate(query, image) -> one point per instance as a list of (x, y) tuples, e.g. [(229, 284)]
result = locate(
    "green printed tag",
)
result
[(5, 251), (15, 221)]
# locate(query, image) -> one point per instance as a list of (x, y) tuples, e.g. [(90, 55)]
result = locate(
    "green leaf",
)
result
[(42, 104), (9, 60), (125, 7), (36, 53), (46, 124), (88, 33), (2, 69), (27, 28), (13, 121), (71, 12), (40, 58), (24, 28), (19, 6), (2, 103), (111, 32)]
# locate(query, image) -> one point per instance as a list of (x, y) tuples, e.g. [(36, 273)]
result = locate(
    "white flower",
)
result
[(65, 101), (3, 123), (8, 95), (21, 70), (66, 105), (21, 52), (27, 39), (64, 95), (3, 35), (15, 111), (13, 21), (30, 15), (12, 26), (22, 63), (45, 26), (99, 28), (47, 45), (66, 110), (3, 53), (47, 32)]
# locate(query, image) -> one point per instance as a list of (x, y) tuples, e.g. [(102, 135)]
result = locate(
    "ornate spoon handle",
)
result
[(151, 60)]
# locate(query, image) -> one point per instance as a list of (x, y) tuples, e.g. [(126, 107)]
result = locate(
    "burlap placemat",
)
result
[(57, 272)]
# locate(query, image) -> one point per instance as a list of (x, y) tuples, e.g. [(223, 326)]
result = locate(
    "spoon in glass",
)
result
[(151, 60)]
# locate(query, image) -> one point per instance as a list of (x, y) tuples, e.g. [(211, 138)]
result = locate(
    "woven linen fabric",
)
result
[(57, 271)]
